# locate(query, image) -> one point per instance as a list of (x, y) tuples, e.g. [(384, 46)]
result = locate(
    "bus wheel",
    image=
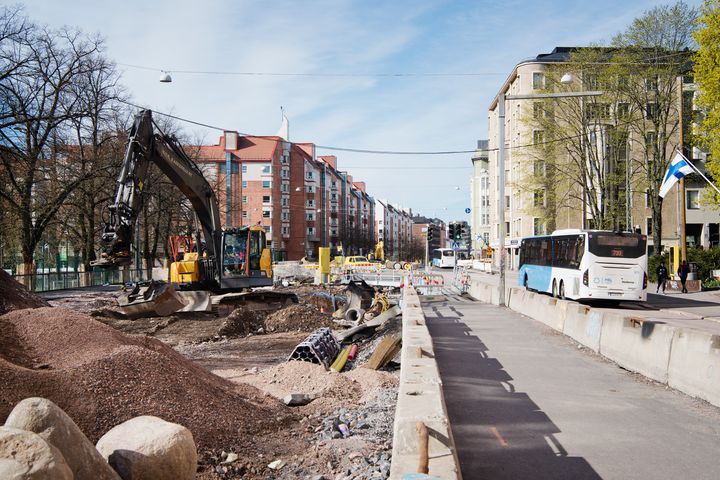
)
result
[(562, 290), (554, 289)]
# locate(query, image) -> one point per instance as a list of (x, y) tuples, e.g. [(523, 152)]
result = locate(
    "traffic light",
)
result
[(458, 232), (430, 233), (451, 231)]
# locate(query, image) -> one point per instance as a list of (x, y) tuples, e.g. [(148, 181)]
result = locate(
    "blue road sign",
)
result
[(478, 237), (456, 245), (467, 210)]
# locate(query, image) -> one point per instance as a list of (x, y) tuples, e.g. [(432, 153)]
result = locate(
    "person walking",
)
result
[(662, 276), (683, 271)]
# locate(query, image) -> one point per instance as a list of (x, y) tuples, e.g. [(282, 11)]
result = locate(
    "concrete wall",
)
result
[(420, 399), (683, 358)]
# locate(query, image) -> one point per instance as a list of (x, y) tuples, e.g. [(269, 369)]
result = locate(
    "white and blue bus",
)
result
[(443, 258), (586, 265)]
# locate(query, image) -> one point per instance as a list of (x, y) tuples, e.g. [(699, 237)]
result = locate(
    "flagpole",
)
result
[(683, 240)]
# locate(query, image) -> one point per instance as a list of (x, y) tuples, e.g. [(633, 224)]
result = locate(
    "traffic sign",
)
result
[(456, 245), (467, 210), (478, 237)]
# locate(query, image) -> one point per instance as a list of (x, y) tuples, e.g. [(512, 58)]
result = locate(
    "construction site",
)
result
[(303, 385)]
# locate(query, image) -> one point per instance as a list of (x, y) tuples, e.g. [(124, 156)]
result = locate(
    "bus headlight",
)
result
[(586, 278)]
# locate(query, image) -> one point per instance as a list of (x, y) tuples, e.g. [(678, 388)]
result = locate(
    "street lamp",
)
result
[(566, 79)]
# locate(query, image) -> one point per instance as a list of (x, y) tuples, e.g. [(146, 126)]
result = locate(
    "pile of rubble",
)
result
[(14, 296), (103, 377)]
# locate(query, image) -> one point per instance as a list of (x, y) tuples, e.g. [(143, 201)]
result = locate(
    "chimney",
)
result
[(360, 186), (330, 160), (231, 141)]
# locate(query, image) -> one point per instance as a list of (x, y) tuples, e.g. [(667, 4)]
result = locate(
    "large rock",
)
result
[(149, 448), (43, 417), (26, 456)]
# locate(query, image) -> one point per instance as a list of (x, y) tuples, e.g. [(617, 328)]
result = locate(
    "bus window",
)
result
[(617, 245)]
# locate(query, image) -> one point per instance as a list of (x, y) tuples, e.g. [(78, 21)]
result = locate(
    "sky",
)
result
[(344, 49)]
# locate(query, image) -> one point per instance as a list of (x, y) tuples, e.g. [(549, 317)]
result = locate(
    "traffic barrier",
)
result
[(583, 325), (637, 344), (420, 399), (694, 366)]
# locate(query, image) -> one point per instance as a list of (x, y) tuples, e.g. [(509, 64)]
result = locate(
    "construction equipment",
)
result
[(223, 261)]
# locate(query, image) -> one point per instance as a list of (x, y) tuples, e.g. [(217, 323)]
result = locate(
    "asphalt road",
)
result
[(526, 402)]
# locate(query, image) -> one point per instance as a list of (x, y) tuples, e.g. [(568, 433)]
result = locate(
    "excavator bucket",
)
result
[(150, 299)]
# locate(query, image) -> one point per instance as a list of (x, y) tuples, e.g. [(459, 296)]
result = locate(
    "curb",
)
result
[(420, 399)]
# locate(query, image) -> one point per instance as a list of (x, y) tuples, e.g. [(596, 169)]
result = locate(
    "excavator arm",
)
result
[(145, 147)]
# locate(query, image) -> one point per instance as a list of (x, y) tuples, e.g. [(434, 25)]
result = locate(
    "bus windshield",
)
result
[(616, 245)]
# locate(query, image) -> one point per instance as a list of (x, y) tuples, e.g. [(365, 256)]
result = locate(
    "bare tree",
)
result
[(39, 99)]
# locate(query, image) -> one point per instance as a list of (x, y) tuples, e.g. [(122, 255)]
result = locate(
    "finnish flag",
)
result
[(678, 168)]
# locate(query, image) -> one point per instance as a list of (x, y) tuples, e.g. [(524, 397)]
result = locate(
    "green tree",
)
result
[(707, 76)]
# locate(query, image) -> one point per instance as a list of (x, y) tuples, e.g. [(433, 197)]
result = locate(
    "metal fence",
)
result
[(43, 282)]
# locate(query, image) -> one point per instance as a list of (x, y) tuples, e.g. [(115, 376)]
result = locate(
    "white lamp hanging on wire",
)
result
[(165, 77)]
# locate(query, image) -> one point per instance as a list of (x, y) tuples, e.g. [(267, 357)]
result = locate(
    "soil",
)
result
[(14, 296), (223, 380)]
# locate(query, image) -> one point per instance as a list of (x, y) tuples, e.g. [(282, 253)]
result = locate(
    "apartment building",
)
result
[(480, 198), (522, 204), (302, 201), (394, 227)]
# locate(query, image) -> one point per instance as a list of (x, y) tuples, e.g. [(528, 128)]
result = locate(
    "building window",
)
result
[(539, 168), (268, 229), (244, 214), (590, 81), (244, 168), (597, 111), (310, 204), (285, 173), (648, 226), (507, 202), (310, 216), (244, 198), (651, 84), (311, 188), (244, 184), (285, 159), (538, 80), (285, 231), (234, 168), (333, 232), (538, 226), (266, 199), (266, 183), (285, 201), (539, 198), (266, 169), (285, 216), (651, 111), (538, 137), (309, 175), (266, 214), (692, 199), (311, 231), (507, 228), (647, 198), (537, 110), (284, 187), (623, 110)]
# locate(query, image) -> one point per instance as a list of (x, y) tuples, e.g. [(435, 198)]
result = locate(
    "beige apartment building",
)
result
[(523, 207), (480, 200)]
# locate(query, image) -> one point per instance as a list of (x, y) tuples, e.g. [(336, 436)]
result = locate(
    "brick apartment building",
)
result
[(303, 201)]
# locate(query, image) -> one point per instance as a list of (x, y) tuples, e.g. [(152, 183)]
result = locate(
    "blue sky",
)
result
[(408, 113)]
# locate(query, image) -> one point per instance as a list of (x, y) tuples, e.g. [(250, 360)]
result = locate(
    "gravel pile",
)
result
[(298, 317), (102, 377), (14, 296)]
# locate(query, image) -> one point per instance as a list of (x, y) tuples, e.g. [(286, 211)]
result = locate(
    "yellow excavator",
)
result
[(223, 261)]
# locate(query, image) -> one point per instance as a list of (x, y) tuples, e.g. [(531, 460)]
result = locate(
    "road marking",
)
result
[(501, 440)]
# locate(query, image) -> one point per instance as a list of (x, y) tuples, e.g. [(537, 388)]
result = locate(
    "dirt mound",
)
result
[(357, 385), (298, 317), (241, 322), (14, 296), (102, 377)]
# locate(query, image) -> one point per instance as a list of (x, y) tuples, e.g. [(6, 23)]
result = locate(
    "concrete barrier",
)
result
[(685, 359), (694, 366), (420, 399), (583, 325), (639, 345)]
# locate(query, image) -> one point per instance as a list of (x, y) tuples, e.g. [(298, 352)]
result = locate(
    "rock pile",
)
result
[(41, 441)]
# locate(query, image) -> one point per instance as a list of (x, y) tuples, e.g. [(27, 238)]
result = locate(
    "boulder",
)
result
[(149, 448), (26, 456), (43, 417)]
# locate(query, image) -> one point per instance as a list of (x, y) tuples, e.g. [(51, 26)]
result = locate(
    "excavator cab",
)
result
[(246, 260)]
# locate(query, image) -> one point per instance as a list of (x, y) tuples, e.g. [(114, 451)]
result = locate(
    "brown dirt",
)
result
[(14, 296), (102, 377)]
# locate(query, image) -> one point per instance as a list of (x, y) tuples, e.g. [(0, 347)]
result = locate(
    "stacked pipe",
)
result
[(319, 347)]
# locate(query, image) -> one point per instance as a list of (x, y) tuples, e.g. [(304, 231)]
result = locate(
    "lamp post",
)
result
[(566, 79)]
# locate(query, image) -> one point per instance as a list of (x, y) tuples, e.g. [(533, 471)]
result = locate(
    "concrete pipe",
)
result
[(354, 314)]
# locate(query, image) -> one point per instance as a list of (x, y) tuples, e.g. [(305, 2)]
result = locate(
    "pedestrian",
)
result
[(683, 271), (662, 275)]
